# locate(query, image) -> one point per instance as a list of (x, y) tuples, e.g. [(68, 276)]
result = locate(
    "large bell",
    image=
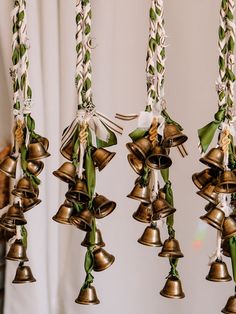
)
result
[(140, 193), (64, 213), (161, 209), (23, 275), (102, 259), (230, 307), (17, 252), (209, 193), (29, 203), (36, 151), (35, 167), (214, 158), (229, 228), (67, 150), (83, 220), (98, 241), (173, 136), (102, 206), (8, 166), (102, 157), (140, 148), (66, 172), (159, 159), (16, 214), (24, 189), (173, 288), (151, 237), (218, 272), (215, 218), (88, 296), (171, 248), (78, 192), (226, 182), (136, 163), (225, 248), (143, 213), (204, 177)]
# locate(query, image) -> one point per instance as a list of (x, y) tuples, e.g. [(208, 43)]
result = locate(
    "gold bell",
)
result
[(173, 288), (218, 272), (102, 157), (102, 259), (225, 248), (204, 177), (140, 148), (8, 166), (16, 214), (29, 203), (23, 275), (87, 296), (215, 218), (66, 172), (45, 142), (151, 237), (173, 136), (35, 167), (24, 189), (102, 206), (140, 193), (98, 239), (161, 209), (214, 158), (135, 163), (229, 228), (78, 192), (143, 213), (64, 213), (159, 159), (17, 252), (82, 220), (67, 150), (8, 224), (209, 193), (230, 307), (37, 151), (226, 183), (171, 248)]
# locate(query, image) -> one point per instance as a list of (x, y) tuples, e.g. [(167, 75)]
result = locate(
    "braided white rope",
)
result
[(80, 53)]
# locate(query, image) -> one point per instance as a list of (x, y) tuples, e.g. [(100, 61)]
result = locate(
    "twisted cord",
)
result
[(79, 79), (153, 132), (225, 140), (19, 133), (83, 134)]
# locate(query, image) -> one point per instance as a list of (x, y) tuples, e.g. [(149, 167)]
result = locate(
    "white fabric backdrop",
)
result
[(120, 30)]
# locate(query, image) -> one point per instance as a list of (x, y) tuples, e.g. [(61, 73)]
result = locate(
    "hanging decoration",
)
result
[(149, 156), (23, 164), (217, 183), (83, 145)]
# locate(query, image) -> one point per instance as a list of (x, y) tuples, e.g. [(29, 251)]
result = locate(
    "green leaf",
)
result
[(138, 133), (89, 261), (87, 57), (152, 44), (87, 84), (24, 235), (153, 15), (221, 63), (21, 16), (90, 172), (22, 81), (87, 29), (29, 92), (17, 105), (231, 44), (221, 33), (230, 75), (30, 123), (22, 50)]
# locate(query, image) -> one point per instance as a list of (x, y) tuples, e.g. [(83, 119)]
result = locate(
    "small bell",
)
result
[(102, 157), (173, 136), (136, 163), (161, 209), (8, 166), (87, 296), (102, 259), (140, 148), (151, 237), (64, 213), (171, 248), (29, 203), (140, 193), (35, 167), (16, 214), (218, 272), (98, 241), (66, 172), (209, 193), (226, 183), (78, 192), (45, 142), (102, 206), (230, 307), (229, 228), (159, 159), (214, 158), (23, 275), (17, 252), (67, 150), (36, 151), (143, 213), (82, 220), (173, 288), (24, 189), (8, 224), (215, 218), (204, 177)]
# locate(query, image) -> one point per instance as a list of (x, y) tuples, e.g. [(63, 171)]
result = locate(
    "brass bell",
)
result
[(218, 272), (17, 252), (140, 148), (8, 166), (161, 209), (173, 136), (229, 228), (230, 307), (35, 167), (159, 159), (140, 193), (36, 151), (23, 275), (215, 218), (171, 248), (136, 163), (102, 259), (8, 224), (225, 248), (151, 237), (209, 206), (64, 213), (226, 183), (78, 192), (102, 206), (173, 288), (29, 203), (16, 214), (102, 157), (214, 158), (24, 189), (82, 220), (143, 213), (204, 177), (209, 193), (98, 239), (87, 296), (66, 172), (45, 142), (67, 150)]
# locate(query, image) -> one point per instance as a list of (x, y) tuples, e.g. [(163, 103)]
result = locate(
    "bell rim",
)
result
[(164, 213), (140, 154), (79, 226), (225, 279), (61, 220), (24, 281), (71, 199), (25, 209), (165, 142), (17, 259), (107, 212), (29, 194), (224, 191), (136, 198), (229, 235), (63, 176), (101, 244), (171, 254), (106, 161), (160, 244), (13, 176), (208, 198), (87, 303), (211, 163), (112, 260), (196, 182), (129, 156), (180, 296), (140, 220), (37, 173), (155, 167), (212, 223), (66, 155)]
